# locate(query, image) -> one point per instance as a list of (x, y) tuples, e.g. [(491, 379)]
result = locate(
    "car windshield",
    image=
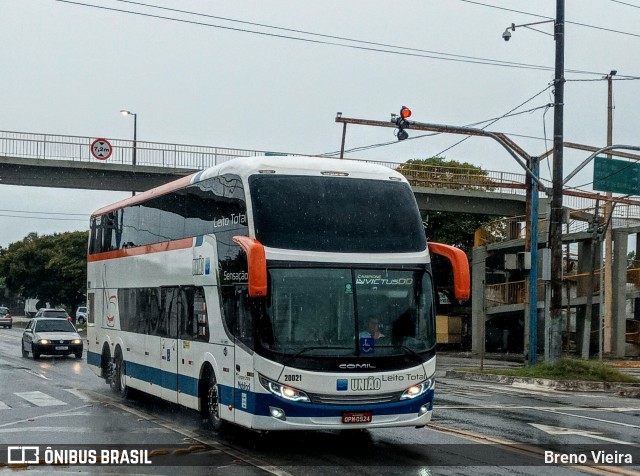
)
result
[(4, 311), (54, 326), (62, 314)]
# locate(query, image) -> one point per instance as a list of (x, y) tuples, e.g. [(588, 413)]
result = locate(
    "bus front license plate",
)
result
[(356, 417)]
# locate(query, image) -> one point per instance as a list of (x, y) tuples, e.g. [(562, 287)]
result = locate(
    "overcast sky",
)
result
[(69, 69)]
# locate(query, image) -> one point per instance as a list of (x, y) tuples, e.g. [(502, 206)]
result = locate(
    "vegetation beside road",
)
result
[(52, 268), (567, 369)]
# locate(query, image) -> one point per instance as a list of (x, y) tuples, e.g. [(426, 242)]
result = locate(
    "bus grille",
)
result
[(354, 399)]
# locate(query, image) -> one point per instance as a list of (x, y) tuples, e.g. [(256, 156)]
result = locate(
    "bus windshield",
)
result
[(348, 312), (336, 214)]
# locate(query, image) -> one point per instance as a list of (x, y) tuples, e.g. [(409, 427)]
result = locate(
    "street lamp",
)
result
[(608, 210), (135, 131)]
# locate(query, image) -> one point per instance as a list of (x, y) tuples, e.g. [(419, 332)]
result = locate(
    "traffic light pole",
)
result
[(532, 191), (511, 147)]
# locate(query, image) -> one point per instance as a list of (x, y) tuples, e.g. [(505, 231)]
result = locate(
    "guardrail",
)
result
[(512, 228), (514, 292), (77, 148)]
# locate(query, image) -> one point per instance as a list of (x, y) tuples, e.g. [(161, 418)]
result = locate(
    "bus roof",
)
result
[(246, 166)]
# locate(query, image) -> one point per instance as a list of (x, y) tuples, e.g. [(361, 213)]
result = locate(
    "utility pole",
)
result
[(555, 232), (594, 247), (608, 255)]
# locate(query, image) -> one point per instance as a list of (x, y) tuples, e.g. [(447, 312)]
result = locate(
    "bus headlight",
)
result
[(284, 391), (418, 389)]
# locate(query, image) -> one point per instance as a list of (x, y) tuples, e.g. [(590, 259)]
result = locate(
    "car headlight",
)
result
[(418, 389), (43, 342), (284, 391), (76, 341)]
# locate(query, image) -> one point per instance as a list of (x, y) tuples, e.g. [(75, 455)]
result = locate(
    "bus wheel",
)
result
[(212, 402), (117, 383)]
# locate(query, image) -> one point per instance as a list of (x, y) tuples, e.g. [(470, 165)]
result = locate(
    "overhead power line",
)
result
[(585, 25), (404, 51), (625, 3), (44, 218), (493, 121), (86, 215)]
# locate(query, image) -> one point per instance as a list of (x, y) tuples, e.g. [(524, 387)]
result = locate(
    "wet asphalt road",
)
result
[(478, 428)]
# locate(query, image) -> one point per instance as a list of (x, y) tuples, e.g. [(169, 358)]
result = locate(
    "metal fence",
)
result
[(77, 148), (575, 285)]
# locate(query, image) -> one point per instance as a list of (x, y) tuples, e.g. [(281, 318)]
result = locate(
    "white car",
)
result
[(6, 320), (51, 336), (81, 315)]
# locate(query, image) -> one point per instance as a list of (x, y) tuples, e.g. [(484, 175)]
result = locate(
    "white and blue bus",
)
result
[(248, 291)]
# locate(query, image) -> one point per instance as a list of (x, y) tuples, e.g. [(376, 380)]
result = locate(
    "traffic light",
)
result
[(401, 122)]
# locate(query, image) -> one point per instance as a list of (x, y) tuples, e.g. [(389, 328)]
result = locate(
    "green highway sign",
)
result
[(619, 176)]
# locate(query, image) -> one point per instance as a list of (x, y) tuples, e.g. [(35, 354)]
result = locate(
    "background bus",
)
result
[(245, 291)]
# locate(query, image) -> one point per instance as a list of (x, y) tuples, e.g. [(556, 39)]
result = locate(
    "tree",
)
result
[(52, 268), (455, 229)]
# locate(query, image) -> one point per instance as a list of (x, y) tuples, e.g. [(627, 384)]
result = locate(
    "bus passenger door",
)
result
[(171, 307), (244, 398)]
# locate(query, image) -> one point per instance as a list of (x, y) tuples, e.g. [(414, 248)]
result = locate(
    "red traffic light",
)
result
[(405, 112)]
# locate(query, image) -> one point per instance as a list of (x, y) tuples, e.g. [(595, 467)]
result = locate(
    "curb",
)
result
[(623, 389)]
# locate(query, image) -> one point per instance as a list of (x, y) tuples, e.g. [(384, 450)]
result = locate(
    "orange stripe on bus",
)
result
[(143, 250)]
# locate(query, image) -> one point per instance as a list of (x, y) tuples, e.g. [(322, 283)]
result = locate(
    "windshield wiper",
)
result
[(411, 352), (306, 349)]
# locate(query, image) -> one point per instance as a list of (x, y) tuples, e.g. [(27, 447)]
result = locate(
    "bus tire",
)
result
[(212, 403), (105, 362), (117, 383)]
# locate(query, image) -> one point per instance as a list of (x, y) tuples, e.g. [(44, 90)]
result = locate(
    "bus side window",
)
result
[(201, 322), (167, 325), (194, 324)]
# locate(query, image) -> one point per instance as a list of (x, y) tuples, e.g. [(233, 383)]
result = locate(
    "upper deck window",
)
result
[(336, 214)]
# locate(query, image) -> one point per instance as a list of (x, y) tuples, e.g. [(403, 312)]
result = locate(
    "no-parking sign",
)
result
[(101, 149)]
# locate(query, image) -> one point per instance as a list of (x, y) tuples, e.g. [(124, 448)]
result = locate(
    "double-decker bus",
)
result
[(275, 293)]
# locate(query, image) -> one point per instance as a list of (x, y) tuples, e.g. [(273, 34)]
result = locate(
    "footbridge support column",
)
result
[(619, 295), (478, 313)]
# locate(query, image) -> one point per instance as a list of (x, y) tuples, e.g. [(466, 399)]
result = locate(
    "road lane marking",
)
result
[(78, 429), (40, 399), (230, 450), (529, 407), (554, 410), (628, 425), (71, 411), (78, 393), (557, 430), (36, 374), (524, 448), (4, 406)]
